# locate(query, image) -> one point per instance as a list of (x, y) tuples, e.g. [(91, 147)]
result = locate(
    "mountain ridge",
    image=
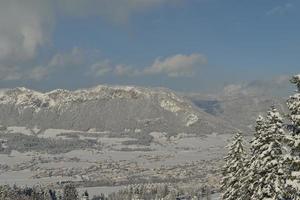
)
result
[(104, 107)]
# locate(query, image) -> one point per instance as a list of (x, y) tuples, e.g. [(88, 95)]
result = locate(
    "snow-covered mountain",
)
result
[(240, 110), (107, 108)]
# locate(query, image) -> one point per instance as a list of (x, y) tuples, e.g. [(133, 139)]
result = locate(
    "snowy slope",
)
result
[(239, 110), (113, 108)]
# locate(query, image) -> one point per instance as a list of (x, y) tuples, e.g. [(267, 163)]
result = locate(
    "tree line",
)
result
[(160, 191), (270, 169), (69, 192)]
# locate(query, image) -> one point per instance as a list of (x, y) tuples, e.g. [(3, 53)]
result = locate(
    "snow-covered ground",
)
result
[(165, 154)]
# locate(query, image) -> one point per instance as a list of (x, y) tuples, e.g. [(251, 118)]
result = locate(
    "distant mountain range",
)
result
[(240, 110), (133, 109), (110, 108)]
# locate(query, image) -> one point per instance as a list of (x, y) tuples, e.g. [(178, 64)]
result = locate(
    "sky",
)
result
[(185, 45)]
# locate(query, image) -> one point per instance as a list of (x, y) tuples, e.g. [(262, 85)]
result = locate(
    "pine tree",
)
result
[(233, 169), (293, 104), (265, 176), (5, 192), (85, 195), (248, 176), (52, 194), (70, 192)]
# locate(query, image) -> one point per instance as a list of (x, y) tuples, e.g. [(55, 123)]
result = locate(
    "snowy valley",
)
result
[(117, 140)]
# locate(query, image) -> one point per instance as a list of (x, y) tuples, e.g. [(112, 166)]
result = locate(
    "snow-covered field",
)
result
[(165, 157)]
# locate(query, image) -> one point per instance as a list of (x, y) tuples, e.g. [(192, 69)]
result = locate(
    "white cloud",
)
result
[(101, 68), (74, 57), (280, 10), (104, 67), (177, 65), (173, 66), (9, 73), (37, 73), (26, 26), (124, 70), (258, 87), (16, 73)]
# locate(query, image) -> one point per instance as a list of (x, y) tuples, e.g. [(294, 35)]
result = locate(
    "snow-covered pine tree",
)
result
[(85, 195), (293, 104), (265, 177), (248, 176), (70, 192), (233, 169), (259, 128)]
